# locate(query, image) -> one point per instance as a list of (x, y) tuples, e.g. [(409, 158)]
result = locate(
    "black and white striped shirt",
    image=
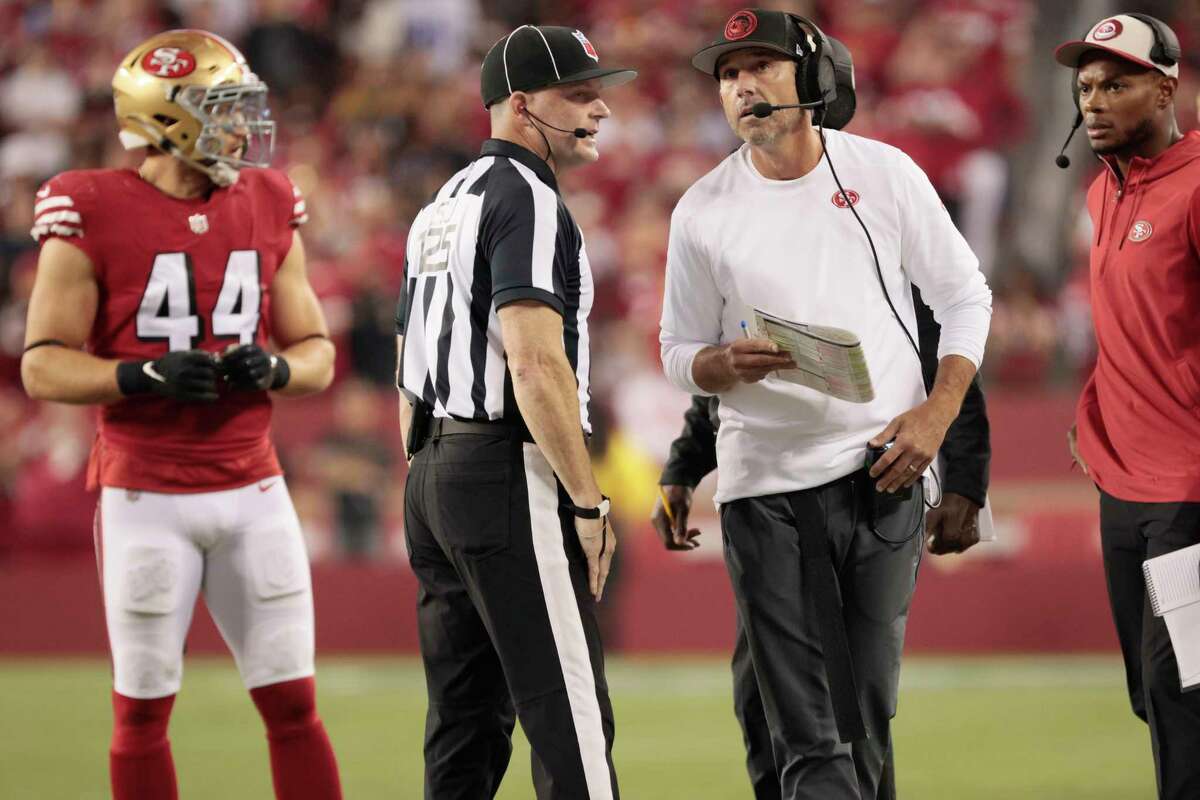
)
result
[(496, 232)]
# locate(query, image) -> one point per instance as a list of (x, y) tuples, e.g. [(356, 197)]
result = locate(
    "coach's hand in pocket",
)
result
[(918, 433), (598, 540)]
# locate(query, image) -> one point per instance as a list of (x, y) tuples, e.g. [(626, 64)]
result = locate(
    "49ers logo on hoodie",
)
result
[(1141, 231)]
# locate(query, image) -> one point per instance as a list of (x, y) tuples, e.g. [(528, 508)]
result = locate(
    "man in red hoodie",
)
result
[(1137, 431)]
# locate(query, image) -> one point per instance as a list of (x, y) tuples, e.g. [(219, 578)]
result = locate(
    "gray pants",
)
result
[(782, 641)]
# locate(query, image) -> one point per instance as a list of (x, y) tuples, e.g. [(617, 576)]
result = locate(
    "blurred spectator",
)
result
[(1022, 340), (946, 97), (39, 100), (51, 508), (439, 32), (377, 103), (354, 465), (298, 61)]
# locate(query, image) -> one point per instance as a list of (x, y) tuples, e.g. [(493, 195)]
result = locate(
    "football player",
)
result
[(158, 293)]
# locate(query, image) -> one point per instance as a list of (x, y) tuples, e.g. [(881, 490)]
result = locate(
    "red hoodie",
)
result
[(1139, 416)]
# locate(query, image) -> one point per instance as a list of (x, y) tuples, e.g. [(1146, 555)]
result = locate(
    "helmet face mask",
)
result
[(191, 95), (236, 129)]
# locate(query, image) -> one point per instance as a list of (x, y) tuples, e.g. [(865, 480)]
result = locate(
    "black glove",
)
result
[(189, 376), (250, 368)]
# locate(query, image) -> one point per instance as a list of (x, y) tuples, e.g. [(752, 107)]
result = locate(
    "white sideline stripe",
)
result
[(565, 622), (62, 230), (60, 201), (59, 216)]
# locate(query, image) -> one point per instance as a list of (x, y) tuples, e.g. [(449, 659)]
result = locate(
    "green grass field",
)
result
[(968, 729)]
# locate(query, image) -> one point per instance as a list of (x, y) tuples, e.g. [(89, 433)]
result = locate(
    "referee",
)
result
[(507, 531)]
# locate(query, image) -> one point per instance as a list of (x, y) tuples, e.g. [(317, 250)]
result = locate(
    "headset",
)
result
[(1166, 51), (817, 87), (818, 70), (816, 75)]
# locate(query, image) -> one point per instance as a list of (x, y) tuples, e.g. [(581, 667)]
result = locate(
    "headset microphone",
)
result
[(1062, 161), (764, 110), (578, 133)]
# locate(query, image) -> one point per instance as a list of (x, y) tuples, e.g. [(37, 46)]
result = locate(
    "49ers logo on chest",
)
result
[(169, 62), (1141, 231), (850, 198)]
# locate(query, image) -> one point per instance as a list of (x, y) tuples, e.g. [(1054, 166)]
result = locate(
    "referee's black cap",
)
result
[(537, 56), (752, 27)]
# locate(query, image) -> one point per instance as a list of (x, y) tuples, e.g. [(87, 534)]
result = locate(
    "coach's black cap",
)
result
[(537, 56), (752, 27)]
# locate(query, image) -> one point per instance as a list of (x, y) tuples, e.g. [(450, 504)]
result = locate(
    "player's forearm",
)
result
[(311, 366), (546, 393), (66, 375), (711, 369)]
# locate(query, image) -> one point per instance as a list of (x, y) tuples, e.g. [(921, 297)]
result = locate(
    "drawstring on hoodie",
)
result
[(1136, 190), (1103, 206)]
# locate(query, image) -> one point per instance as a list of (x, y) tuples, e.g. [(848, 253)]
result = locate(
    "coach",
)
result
[(508, 533), (1137, 426), (822, 554), (951, 527)]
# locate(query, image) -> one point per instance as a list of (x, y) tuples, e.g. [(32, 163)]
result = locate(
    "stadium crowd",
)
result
[(378, 101)]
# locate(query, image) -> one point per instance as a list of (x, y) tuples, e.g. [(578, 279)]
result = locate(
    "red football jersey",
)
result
[(173, 275)]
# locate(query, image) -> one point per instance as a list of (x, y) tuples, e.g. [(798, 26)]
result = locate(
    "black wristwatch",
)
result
[(596, 512)]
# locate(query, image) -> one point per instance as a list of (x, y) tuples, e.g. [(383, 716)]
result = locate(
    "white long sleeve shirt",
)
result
[(740, 241)]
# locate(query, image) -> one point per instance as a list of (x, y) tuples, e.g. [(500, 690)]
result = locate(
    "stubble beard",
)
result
[(762, 134), (1141, 133)]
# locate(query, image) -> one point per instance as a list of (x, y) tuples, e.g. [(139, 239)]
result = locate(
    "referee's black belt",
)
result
[(448, 426)]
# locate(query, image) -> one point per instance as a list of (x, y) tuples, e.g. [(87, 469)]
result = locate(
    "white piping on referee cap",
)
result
[(504, 56), (553, 63)]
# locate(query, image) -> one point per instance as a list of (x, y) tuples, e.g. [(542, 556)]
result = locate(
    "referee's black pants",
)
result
[(505, 621), (781, 694), (1130, 533)]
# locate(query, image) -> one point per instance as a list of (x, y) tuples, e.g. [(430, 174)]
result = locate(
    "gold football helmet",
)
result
[(191, 94)]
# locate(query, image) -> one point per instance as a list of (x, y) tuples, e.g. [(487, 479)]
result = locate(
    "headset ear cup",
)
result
[(826, 78), (839, 113)]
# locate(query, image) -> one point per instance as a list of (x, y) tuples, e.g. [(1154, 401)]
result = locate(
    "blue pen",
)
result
[(746, 329)]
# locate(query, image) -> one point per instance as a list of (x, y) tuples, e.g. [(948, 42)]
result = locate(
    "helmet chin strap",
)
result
[(220, 173)]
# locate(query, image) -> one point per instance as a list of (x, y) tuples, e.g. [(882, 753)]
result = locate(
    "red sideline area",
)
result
[(1045, 598), (1040, 588)]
